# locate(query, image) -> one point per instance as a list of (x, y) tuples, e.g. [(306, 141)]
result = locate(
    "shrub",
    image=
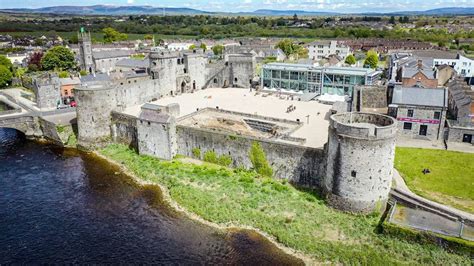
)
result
[(196, 153), (259, 160), (224, 160), (210, 157), (83, 73)]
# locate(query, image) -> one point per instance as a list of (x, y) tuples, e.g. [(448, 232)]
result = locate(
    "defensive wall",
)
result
[(344, 170)]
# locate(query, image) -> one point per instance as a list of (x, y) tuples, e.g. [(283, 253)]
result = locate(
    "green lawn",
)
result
[(298, 219), (451, 177)]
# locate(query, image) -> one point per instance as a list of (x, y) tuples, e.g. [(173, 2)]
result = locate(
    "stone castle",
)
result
[(354, 169)]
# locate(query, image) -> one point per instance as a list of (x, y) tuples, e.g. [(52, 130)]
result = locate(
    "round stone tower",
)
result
[(94, 106), (360, 155)]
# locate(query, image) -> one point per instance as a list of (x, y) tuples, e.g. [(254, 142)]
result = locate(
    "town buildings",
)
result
[(420, 112), (317, 80), (324, 48)]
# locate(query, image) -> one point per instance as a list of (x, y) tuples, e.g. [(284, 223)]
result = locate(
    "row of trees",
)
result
[(221, 27)]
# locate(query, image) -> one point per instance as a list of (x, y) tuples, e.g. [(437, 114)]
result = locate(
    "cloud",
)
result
[(130, 2)]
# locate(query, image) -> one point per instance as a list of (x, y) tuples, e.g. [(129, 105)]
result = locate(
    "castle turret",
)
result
[(156, 130), (164, 67), (360, 155), (94, 106)]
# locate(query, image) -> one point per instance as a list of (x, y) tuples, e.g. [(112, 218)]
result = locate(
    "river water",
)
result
[(64, 206)]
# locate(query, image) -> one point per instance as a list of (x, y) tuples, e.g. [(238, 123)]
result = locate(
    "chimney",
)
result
[(419, 64)]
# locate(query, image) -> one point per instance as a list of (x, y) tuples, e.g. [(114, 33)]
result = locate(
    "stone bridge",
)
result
[(26, 123)]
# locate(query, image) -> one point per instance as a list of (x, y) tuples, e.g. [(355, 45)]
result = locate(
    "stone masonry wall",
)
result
[(421, 113), (124, 129), (300, 165), (456, 134)]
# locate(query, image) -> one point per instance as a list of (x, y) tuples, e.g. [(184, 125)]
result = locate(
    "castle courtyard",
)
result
[(313, 115)]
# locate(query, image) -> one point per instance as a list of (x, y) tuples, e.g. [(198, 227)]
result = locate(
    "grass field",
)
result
[(298, 219), (451, 177)]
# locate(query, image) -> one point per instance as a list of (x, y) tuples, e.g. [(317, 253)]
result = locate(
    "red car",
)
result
[(73, 104)]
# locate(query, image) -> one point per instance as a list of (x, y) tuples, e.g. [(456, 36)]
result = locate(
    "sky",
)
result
[(251, 5)]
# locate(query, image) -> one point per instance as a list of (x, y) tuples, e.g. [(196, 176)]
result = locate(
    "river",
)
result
[(64, 206)]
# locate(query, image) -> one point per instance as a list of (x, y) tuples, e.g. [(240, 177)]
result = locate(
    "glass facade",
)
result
[(321, 80)]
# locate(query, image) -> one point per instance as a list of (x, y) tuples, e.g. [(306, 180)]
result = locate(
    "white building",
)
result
[(322, 49), (181, 46), (463, 65)]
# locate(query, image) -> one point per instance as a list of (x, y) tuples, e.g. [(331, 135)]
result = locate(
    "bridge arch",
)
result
[(28, 125)]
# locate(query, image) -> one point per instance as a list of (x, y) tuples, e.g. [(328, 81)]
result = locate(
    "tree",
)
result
[(392, 20), (111, 35), (4, 61), (58, 57), (218, 49), (192, 47), (286, 46), (148, 37), (259, 160), (203, 46), (34, 62), (5, 76), (350, 60), (372, 59)]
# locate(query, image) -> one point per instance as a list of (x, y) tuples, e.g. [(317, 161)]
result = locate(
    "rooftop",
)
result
[(313, 115), (420, 96), (331, 70)]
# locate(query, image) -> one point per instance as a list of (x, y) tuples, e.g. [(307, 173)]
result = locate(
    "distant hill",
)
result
[(108, 10), (150, 10)]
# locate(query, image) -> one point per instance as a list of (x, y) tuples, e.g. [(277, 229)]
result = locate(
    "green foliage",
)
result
[(111, 35), (290, 48), (296, 218), (5, 76), (148, 37), (449, 181), (210, 157), (63, 74), (259, 160), (138, 56), (83, 73), (203, 46), (372, 59), (19, 72), (192, 47), (4, 61), (218, 49), (196, 153), (224, 160), (350, 60), (269, 59), (58, 57)]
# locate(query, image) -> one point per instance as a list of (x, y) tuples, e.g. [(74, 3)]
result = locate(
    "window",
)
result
[(407, 126), (467, 138), (353, 173), (410, 113), (437, 115)]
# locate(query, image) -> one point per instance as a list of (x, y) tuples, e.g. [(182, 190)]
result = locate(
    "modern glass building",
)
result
[(314, 79)]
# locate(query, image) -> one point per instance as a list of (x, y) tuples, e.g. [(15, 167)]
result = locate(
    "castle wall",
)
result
[(298, 164), (157, 139), (241, 70), (195, 67), (124, 130)]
